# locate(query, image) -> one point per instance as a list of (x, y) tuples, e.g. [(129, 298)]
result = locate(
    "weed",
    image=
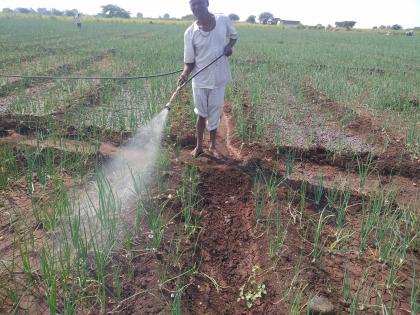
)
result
[(252, 290)]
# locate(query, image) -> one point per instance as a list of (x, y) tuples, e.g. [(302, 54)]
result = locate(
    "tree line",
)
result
[(42, 11), (114, 11)]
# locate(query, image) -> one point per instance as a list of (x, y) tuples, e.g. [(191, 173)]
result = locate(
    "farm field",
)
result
[(316, 195)]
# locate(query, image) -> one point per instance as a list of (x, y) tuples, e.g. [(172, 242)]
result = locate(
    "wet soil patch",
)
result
[(391, 162), (31, 125), (24, 124)]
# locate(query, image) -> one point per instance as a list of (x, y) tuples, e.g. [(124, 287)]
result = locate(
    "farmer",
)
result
[(78, 21), (210, 36)]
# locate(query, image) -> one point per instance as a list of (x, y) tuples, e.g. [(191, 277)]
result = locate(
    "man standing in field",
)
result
[(206, 39), (78, 21)]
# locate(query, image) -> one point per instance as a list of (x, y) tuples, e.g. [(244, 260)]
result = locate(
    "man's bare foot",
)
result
[(196, 152), (215, 153)]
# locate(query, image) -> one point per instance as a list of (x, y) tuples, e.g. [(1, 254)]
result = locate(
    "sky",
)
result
[(367, 13)]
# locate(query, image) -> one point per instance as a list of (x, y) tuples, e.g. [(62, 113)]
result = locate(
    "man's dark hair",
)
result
[(206, 1)]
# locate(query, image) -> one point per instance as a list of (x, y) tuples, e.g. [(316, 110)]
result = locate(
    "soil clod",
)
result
[(320, 305)]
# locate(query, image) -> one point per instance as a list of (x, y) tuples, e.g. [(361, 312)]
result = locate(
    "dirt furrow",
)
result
[(9, 88), (404, 191), (228, 247), (387, 149)]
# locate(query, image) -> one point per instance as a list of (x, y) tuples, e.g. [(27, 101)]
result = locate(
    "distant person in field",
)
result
[(78, 21), (210, 36)]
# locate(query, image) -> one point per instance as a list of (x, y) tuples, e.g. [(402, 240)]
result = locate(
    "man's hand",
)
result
[(228, 51), (182, 79)]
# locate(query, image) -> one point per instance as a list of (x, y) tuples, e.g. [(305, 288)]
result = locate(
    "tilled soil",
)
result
[(228, 248), (232, 242)]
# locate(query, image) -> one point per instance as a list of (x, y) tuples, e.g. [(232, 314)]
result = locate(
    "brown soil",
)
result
[(232, 242), (363, 136), (24, 127), (15, 223)]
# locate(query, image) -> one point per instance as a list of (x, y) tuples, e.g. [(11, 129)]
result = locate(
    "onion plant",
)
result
[(317, 245), (260, 194), (319, 190), (188, 195), (342, 209), (365, 169)]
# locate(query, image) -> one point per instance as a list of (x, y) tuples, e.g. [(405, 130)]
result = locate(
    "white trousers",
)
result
[(209, 104)]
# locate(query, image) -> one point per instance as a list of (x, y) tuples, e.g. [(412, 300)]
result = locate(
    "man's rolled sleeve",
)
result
[(189, 55)]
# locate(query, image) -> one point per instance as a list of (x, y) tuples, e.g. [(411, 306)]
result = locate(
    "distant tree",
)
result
[(166, 16), (234, 17), (264, 16), (188, 17), (56, 12), (139, 15), (114, 11), (7, 10), (396, 27), (251, 19), (346, 24), (382, 27), (72, 12), (24, 10), (375, 28), (319, 26), (43, 11)]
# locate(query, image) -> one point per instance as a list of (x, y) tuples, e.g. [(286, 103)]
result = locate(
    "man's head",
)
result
[(199, 8)]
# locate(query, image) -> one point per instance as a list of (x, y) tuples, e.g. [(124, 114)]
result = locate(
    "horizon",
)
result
[(366, 15)]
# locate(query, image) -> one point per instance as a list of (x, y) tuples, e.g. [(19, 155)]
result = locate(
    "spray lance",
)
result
[(168, 106)]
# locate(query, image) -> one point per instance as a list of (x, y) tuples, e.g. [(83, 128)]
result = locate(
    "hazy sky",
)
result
[(367, 13)]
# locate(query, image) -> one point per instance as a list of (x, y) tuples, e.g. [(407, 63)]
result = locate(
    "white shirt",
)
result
[(202, 48)]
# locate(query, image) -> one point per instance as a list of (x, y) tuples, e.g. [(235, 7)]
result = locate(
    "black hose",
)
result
[(198, 72), (87, 78)]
